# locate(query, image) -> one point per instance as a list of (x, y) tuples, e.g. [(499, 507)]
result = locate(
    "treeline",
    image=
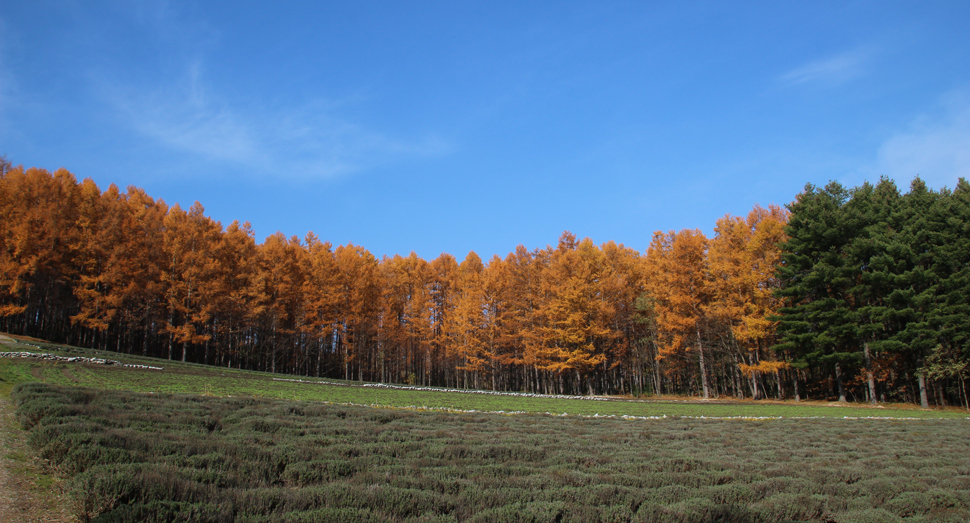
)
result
[(121, 271), (877, 288)]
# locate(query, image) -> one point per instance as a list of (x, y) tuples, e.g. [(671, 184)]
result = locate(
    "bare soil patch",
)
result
[(17, 337), (67, 374)]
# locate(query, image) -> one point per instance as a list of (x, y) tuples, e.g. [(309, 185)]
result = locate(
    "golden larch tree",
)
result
[(743, 257), (678, 280)]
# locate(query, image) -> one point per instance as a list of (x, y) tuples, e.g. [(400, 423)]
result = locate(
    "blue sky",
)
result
[(456, 126)]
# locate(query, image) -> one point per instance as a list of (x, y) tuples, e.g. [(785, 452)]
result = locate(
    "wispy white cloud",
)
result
[(188, 113), (935, 146), (830, 71), (301, 141)]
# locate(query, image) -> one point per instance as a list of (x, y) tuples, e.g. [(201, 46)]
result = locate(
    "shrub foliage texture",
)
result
[(145, 457)]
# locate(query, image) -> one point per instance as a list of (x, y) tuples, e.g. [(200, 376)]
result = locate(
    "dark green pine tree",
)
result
[(950, 316), (816, 326), (922, 236), (872, 213)]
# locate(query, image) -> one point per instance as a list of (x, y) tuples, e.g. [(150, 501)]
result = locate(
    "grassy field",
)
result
[(198, 379), (194, 443)]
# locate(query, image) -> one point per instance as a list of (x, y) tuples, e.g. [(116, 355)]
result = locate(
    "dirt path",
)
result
[(67, 374), (25, 494), (37, 373)]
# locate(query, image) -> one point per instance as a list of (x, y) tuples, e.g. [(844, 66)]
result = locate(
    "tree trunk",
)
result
[(872, 381), (734, 376), (838, 378), (963, 389), (170, 345), (939, 393), (700, 352), (923, 400)]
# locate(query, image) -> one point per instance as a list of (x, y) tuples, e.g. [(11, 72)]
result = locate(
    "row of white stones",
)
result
[(74, 359)]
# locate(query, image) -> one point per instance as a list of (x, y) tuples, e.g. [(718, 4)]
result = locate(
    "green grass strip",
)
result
[(180, 377)]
